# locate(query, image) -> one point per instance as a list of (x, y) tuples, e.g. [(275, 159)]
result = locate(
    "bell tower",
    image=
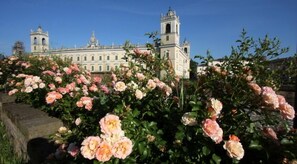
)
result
[(170, 27), (39, 41)]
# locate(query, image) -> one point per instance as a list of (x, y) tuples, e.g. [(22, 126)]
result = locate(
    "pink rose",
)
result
[(138, 94), (151, 84), (212, 129), (104, 89), (12, 92), (270, 98), (234, 148), (67, 70), (97, 80), (281, 99)]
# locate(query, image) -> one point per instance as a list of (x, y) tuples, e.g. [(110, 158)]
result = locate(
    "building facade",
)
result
[(100, 58)]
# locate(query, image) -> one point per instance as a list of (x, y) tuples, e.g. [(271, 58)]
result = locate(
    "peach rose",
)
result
[(140, 76), (234, 148), (110, 124), (287, 111), (28, 90), (151, 84), (122, 148), (104, 152), (58, 79), (138, 94), (12, 92), (281, 99), (214, 107), (120, 86), (67, 70), (212, 129), (90, 146), (187, 119), (255, 87)]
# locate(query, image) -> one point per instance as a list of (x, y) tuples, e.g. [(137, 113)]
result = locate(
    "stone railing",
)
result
[(28, 129)]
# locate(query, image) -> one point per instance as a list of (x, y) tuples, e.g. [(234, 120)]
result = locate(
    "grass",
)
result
[(6, 151)]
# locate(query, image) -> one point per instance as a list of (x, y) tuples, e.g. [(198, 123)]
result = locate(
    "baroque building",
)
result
[(100, 58)]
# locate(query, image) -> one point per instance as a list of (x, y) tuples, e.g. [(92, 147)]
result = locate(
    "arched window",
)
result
[(35, 40), (168, 28), (43, 42), (186, 50), (176, 29), (92, 58)]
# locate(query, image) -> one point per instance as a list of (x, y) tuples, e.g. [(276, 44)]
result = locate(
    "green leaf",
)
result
[(217, 159), (255, 145), (205, 151)]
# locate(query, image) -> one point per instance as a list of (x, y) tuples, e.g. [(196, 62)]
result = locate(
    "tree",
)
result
[(18, 48), (193, 71)]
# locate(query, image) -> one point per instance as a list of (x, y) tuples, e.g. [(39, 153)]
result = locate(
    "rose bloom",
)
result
[(167, 90), (77, 121), (62, 130), (255, 87), (287, 111), (138, 94), (90, 146), (187, 119), (214, 107), (270, 133), (63, 90), (35, 86), (112, 138), (67, 70), (58, 79), (97, 80), (270, 98), (93, 88), (41, 85), (12, 92), (104, 152), (79, 104), (110, 124), (120, 86), (73, 150), (104, 89), (114, 77), (281, 99), (122, 148), (212, 129), (140, 76), (129, 73), (52, 86), (151, 84), (36, 79), (234, 148), (28, 90), (74, 67)]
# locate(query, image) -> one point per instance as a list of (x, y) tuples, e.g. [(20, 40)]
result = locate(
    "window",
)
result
[(34, 47), (116, 57), (167, 38), (167, 54), (186, 50), (100, 57), (78, 58), (92, 58), (100, 68), (43, 42), (92, 68), (85, 67), (176, 29), (71, 59), (168, 28), (107, 57), (85, 58), (107, 68), (35, 40)]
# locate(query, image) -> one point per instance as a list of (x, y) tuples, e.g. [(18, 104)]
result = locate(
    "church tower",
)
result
[(170, 48), (170, 28), (39, 41)]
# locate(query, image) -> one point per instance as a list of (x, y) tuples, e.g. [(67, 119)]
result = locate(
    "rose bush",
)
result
[(231, 113)]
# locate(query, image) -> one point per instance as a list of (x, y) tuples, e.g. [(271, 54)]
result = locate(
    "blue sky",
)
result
[(212, 25)]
